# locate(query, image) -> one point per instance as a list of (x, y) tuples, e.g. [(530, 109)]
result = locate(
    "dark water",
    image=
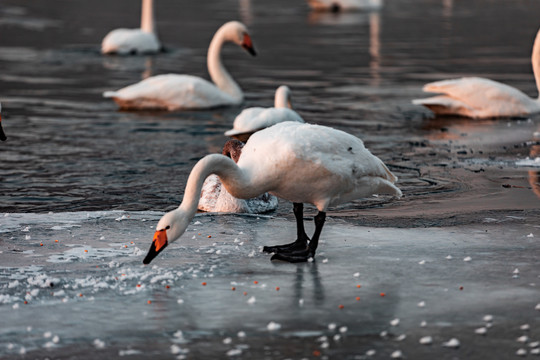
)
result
[(70, 149)]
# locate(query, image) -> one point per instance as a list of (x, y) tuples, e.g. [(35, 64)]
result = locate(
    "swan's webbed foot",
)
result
[(298, 245), (294, 256)]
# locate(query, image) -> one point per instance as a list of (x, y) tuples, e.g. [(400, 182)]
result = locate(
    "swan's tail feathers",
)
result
[(110, 94), (446, 86), (445, 105)]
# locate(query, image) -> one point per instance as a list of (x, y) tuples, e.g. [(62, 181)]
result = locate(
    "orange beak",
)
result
[(158, 244), (248, 45)]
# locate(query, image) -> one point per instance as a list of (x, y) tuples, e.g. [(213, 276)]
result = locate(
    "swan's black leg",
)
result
[(301, 237), (304, 255)]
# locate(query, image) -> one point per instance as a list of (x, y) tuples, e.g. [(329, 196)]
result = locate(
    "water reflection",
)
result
[(246, 13), (145, 64), (310, 270)]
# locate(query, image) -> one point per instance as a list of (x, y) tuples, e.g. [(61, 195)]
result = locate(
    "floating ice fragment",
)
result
[(394, 322), (332, 326), (241, 334), (371, 352), (13, 284), (123, 217), (48, 345), (301, 302), (356, 274), (26, 229), (337, 337), (128, 352), (468, 258), (396, 354), (227, 340), (525, 327), (534, 344), (234, 352), (523, 339), (537, 307), (325, 345), (47, 334), (27, 237), (488, 318), (401, 337), (15, 306), (422, 262), (22, 350), (449, 257), (531, 235), (421, 304), (535, 351), (175, 349), (252, 300), (55, 339), (426, 340), (325, 261), (28, 328), (481, 331), (516, 271), (343, 329), (383, 334), (521, 352), (272, 326), (452, 343), (197, 223)]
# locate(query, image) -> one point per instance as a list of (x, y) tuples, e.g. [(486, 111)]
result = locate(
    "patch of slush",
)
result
[(529, 162)]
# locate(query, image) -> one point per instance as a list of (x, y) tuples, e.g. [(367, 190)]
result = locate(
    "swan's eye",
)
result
[(167, 227)]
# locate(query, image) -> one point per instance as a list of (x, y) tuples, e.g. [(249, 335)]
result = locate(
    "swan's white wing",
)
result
[(126, 41), (476, 97), (336, 165), (171, 92)]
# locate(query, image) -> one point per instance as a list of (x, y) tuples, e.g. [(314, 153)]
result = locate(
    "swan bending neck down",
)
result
[(134, 41), (299, 162), (173, 92), (2, 134), (476, 97)]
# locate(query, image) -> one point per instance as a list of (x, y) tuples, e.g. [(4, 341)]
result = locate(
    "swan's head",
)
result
[(2, 134), (171, 226), (283, 97), (238, 33)]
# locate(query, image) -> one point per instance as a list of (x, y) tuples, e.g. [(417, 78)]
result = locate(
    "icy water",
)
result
[(77, 170)]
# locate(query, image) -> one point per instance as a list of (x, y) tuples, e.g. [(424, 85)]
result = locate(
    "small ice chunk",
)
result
[(332, 326), (371, 352), (521, 352), (423, 324), (99, 344), (468, 258), (421, 262), (525, 327), (337, 337), (26, 229), (241, 334), (421, 304), (227, 340), (452, 343), (252, 300), (234, 352), (534, 344), (27, 237), (535, 351), (175, 349), (123, 217), (197, 223), (531, 235), (22, 350), (397, 354), (426, 340), (55, 339), (343, 329), (516, 271), (15, 306), (301, 302), (401, 337), (394, 322), (488, 318), (481, 331), (272, 326), (47, 334), (537, 307), (383, 334), (357, 274), (325, 261), (523, 339), (449, 257)]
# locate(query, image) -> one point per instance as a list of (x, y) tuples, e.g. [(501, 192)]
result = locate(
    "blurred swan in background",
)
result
[(134, 41), (173, 92), (214, 197), (345, 5), (477, 97), (2, 134)]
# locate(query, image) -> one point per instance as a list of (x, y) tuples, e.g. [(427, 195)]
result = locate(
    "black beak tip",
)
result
[(152, 253), (250, 50), (3, 136)]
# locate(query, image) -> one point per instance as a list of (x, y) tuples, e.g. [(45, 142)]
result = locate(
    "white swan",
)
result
[(139, 41), (256, 118), (345, 5), (173, 92), (2, 134), (214, 197), (294, 161), (476, 97)]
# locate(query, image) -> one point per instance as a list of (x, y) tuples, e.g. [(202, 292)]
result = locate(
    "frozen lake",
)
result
[(77, 170)]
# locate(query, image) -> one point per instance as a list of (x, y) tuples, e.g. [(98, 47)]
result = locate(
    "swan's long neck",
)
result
[(147, 16), (536, 62), (282, 98), (218, 73), (232, 177)]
